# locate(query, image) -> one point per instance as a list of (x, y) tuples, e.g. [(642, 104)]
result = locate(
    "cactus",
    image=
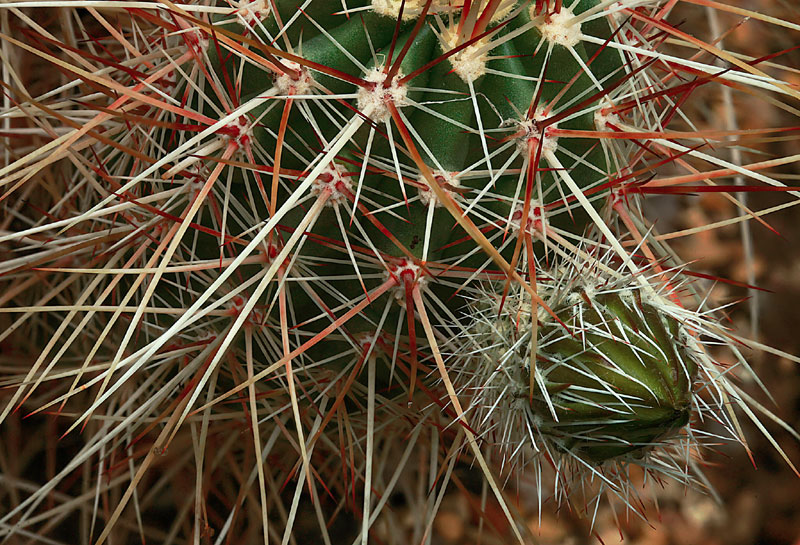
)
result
[(298, 245)]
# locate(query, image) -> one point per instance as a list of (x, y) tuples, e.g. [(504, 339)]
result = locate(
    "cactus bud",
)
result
[(618, 379)]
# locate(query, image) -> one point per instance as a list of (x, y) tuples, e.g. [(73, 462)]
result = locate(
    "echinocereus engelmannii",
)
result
[(322, 240)]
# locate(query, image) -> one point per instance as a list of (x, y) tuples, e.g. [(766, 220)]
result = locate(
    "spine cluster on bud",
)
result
[(607, 374)]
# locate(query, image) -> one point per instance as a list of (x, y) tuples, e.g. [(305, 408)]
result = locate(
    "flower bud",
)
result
[(617, 378)]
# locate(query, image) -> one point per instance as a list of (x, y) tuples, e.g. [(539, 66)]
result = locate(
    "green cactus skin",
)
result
[(516, 85), (506, 92), (507, 87)]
